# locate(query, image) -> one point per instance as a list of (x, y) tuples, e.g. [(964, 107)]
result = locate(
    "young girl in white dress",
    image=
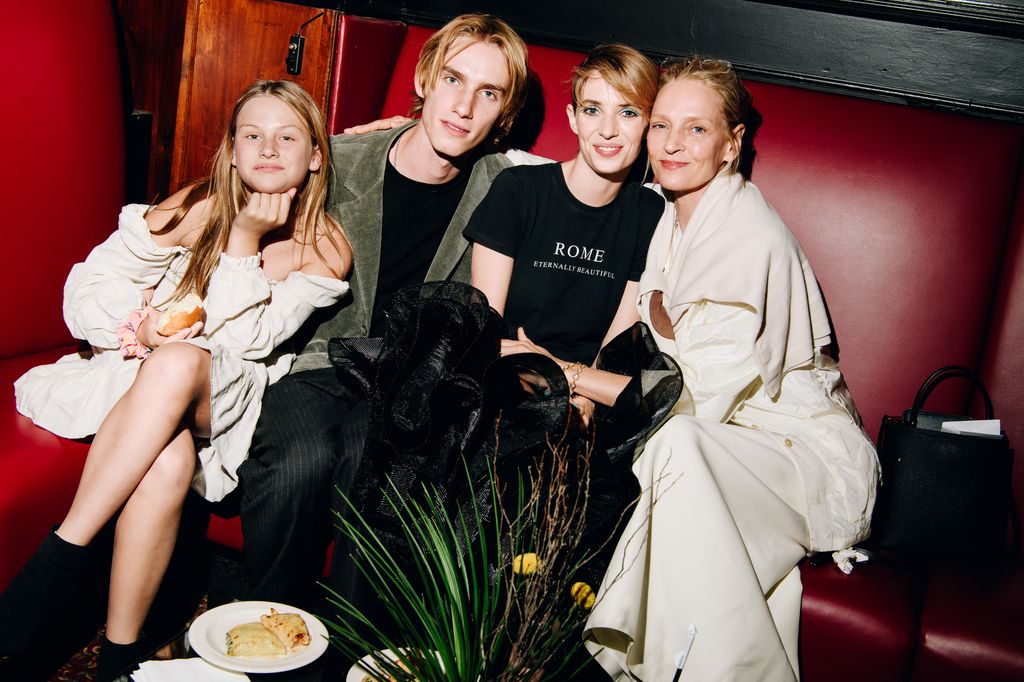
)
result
[(169, 412)]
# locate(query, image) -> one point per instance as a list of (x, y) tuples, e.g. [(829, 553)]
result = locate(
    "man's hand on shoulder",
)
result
[(379, 124)]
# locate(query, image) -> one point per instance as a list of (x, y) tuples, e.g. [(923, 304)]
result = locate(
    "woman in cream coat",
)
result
[(765, 458)]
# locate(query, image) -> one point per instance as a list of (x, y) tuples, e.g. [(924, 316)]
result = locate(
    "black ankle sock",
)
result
[(65, 553), (115, 660), (49, 578)]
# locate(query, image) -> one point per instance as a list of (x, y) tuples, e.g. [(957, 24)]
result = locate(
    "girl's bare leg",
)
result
[(173, 385), (145, 536)]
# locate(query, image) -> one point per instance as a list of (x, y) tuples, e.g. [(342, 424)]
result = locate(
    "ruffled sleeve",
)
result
[(109, 284), (249, 315)]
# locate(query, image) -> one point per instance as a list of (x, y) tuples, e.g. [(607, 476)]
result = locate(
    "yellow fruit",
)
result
[(583, 595), (525, 564)]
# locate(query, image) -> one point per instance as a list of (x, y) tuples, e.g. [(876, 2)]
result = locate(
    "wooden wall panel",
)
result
[(152, 32), (228, 44)]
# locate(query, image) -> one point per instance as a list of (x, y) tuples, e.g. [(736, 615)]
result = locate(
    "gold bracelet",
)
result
[(575, 375)]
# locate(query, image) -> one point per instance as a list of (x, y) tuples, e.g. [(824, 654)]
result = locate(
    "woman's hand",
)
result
[(263, 213), (659, 316), (584, 406), (148, 334), (585, 382), (524, 345), (379, 124)]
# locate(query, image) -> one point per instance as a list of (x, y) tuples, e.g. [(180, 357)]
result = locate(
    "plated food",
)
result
[(276, 634), (258, 637), (287, 627), (252, 639)]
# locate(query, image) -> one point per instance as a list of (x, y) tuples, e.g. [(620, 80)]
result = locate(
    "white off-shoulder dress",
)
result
[(247, 317)]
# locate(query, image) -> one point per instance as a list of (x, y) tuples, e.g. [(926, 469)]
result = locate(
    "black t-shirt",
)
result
[(572, 261), (416, 216)]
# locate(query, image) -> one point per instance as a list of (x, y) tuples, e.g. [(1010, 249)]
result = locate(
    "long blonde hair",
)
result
[(228, 195)]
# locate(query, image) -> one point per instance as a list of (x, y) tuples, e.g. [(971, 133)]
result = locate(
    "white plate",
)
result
[(366, 664), (207, 637)]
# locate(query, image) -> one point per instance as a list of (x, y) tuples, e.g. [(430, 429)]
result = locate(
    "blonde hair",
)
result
[(720, 77), (228, 195), (625, 69), (482, 28)]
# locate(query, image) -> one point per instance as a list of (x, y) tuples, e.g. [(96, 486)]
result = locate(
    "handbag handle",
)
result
[(940, 375)]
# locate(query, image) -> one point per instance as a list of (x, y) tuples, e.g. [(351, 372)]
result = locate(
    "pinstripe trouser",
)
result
[(309, 437)]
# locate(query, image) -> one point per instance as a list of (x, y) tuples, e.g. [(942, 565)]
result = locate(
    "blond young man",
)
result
[(403, 197)]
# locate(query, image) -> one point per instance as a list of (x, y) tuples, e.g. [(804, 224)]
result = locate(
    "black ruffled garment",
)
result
[(442, 402)]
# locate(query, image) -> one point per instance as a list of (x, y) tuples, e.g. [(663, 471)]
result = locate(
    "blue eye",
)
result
[(698, 130), (658, 126), (451, 80), (590, 111), (630, 113), (490, 94)]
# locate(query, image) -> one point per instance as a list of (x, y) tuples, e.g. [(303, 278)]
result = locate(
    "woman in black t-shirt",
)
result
[(558, 251), (559, 248)]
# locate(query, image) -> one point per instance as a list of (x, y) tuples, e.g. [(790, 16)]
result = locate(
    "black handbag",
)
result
[(943, 492)]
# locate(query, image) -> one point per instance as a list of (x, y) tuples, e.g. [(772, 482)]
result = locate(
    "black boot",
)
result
[(49, 579), (115, 660)]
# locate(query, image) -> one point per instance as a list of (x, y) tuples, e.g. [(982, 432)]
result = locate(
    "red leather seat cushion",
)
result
[(972, 624), (40, 472), (66, 146), (857, 627), (225, 531)]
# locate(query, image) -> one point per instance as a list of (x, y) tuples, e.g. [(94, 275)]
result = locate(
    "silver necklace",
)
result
[(394, 161)]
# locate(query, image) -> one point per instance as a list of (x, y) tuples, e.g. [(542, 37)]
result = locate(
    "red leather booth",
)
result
[(912, 219), (64, 174)]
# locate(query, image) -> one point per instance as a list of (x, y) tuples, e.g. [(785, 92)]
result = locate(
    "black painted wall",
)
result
[(961, 55)]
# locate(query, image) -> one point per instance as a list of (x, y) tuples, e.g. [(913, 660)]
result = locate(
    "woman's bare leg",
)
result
[(173, 385), (145, 536)]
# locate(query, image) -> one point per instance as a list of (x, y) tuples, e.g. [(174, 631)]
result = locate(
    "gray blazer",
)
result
[(357, 201)]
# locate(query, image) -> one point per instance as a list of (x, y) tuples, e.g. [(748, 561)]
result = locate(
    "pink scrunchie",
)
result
[(127, 333)]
